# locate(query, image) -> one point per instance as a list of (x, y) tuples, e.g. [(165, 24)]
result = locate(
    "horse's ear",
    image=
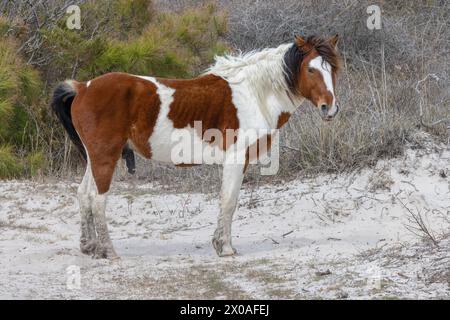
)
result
[(300, 41), (334, 40)]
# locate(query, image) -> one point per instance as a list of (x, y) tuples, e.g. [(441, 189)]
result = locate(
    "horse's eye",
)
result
[(310, 70)]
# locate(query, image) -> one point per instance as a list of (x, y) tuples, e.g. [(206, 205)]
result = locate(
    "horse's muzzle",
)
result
[(329, 114)]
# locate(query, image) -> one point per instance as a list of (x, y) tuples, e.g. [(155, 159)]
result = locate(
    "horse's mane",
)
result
[(262, 71), (278, 66), (273, 70), (267, 59)]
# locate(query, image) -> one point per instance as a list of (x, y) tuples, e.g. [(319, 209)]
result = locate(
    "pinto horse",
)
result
[(113, 114)]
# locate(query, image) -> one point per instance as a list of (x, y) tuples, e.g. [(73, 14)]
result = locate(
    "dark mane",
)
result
[(294, 56), (292, 60)]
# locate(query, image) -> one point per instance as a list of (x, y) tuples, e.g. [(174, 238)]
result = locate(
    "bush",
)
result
[(10, 166), (376, 89), (14, 166), (119, 35), (19, 94), (33, 163), (170, 45)]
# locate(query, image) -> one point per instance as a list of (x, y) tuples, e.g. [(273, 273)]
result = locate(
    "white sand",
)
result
[(341, 239)]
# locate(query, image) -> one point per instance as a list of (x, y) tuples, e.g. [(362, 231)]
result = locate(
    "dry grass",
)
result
[(394, 82), (383, 86), (120, 35)]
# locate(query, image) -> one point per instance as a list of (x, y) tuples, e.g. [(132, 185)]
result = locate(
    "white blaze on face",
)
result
[(325, 69)]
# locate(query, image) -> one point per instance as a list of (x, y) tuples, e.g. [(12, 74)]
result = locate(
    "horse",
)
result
[(117, 114)]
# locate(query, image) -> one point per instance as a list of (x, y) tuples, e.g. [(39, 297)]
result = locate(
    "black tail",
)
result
[(61, 104)]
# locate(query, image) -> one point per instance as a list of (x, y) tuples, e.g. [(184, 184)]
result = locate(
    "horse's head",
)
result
[(311, 67)]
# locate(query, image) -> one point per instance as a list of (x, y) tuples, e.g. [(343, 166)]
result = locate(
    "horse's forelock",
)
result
[(326, 50)]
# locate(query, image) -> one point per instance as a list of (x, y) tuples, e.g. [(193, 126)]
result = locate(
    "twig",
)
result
[(417, 218), (287, 233), (291, 148), (422, 122)]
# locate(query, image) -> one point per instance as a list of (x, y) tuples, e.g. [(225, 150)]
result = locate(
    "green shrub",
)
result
[(15, 166), (34, 162), (20, 90), (10, 166), (117, 19), (160, 44), (116, 35)]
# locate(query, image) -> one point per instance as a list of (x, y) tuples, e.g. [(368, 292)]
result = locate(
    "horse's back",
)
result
[(118, 107)]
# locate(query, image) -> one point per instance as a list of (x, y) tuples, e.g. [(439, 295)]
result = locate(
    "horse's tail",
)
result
[(61, 104)]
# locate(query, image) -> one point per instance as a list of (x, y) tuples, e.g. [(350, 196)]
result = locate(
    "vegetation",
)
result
[(19, 90), (394, 81), (119, 35), (380, 88)]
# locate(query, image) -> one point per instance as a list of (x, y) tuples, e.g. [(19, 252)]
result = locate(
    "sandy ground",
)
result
[(347, 236)]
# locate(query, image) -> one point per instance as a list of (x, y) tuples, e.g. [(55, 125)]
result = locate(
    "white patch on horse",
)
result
[(161, 141), (88, 83), (325, 69)]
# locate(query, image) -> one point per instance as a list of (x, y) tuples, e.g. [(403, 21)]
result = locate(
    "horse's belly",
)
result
[(183, 146)]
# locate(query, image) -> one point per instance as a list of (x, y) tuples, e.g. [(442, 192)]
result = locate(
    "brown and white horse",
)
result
[(258, 90)]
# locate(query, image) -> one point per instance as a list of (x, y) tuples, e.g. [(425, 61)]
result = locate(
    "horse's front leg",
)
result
[(231, 184)]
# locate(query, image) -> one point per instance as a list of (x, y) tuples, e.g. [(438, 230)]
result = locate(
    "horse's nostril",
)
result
[(323, 108)]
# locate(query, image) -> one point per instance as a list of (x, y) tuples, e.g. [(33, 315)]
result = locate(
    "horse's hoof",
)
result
[(88, 247), (222, 249), (102, 252), (227, 252)]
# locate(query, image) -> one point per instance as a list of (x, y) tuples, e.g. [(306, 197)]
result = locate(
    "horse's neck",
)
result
[(266, 81), (261, 76), (277, 105)]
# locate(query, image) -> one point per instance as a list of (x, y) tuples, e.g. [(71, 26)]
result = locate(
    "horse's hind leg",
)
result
[(104, 248), (88, 240), (103, 164)]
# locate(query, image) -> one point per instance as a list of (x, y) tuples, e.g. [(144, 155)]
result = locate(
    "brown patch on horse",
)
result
[(283, 118), (207, 99), (114, 108), (145, 109)]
